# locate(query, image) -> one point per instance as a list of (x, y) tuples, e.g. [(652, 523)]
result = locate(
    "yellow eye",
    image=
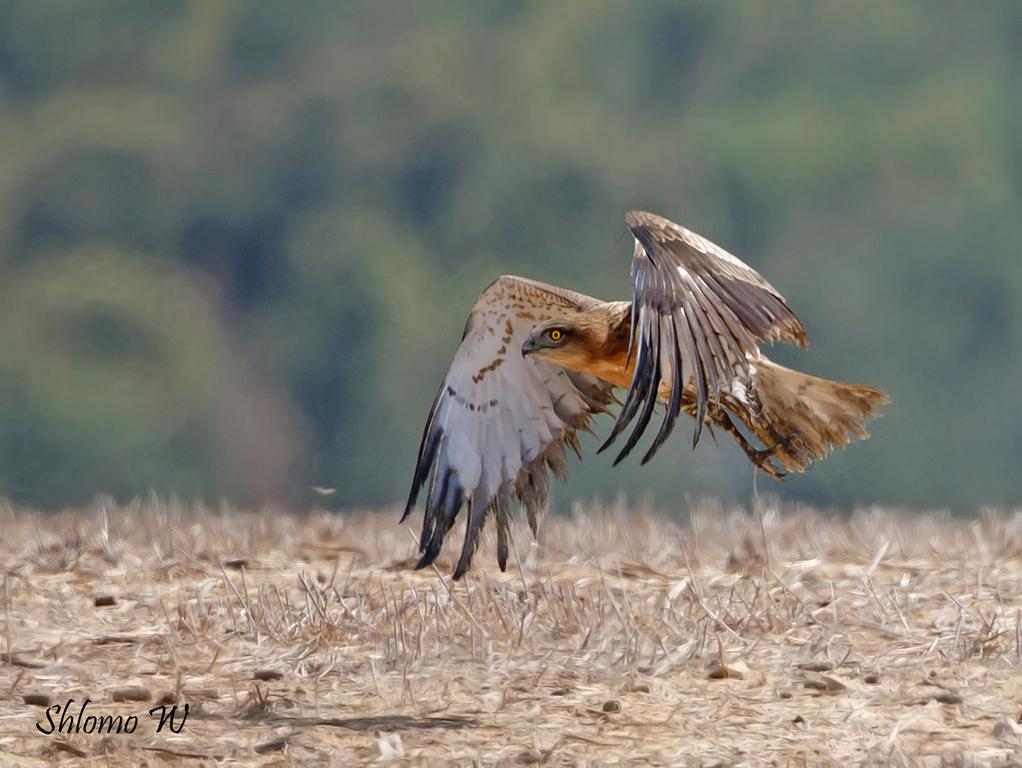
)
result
[(555, 335)]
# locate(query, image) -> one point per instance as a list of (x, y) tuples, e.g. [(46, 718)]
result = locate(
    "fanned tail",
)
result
[(801, 418)]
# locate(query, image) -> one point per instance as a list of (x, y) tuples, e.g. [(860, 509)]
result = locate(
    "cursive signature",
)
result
[(61, 718)]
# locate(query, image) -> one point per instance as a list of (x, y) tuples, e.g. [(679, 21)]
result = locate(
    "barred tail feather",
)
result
[(802, 417)]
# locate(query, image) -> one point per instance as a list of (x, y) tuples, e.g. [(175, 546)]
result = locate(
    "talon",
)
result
[(759, 457), (762, 461)]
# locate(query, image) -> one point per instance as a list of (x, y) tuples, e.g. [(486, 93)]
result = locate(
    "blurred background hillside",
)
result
[(238, 240)]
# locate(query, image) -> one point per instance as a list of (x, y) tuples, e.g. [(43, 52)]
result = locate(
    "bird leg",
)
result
[(759, 457)]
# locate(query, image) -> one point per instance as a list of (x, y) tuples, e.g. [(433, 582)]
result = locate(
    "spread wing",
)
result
[(698, 315), (500, 422)]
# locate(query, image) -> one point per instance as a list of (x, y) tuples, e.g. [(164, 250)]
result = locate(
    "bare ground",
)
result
[(788, 637)]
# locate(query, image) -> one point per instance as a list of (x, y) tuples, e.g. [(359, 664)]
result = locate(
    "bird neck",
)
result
[(609, 362)]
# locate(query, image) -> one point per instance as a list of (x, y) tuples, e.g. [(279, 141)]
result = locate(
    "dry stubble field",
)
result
[(787, 637)]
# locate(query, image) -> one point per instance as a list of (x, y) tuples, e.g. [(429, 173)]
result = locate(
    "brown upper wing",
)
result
[(698, 314)]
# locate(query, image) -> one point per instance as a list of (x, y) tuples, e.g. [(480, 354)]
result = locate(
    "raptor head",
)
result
[(566, 342)]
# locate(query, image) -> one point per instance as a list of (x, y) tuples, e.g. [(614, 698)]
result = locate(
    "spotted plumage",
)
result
[(538, 362)]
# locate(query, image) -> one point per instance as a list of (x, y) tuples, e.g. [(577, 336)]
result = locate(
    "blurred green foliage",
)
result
[(238, 240)]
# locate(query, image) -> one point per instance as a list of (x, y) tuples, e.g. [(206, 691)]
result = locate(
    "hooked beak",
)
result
[(529, 346)]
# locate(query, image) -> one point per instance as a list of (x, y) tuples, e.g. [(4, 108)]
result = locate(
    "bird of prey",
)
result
[(537, 362)]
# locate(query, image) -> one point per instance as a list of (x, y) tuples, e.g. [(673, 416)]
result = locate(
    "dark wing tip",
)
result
[(427, 454), (464, 561), (413, 496), (430, 548), (424, 561), (674, 403), (473, 527)]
